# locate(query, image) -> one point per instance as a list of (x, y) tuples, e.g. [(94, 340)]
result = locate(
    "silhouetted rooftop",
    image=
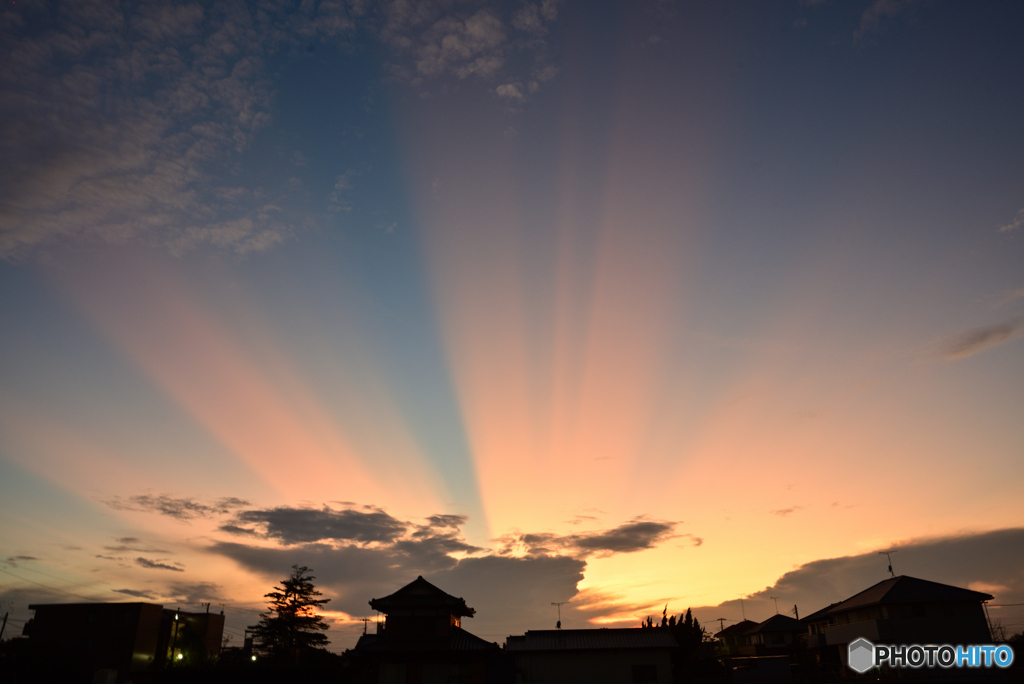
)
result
[(777, 623), (741, 627), (422, 594), (904, 589), (590, 639)]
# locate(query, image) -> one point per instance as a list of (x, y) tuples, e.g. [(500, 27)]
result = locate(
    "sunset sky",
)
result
[(619, 303)]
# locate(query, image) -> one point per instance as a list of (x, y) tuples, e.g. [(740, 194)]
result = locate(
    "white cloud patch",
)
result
[(1013, 225), (511, 91), (436, 39)]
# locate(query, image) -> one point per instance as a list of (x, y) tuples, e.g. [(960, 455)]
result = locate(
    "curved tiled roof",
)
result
[(422, 594)]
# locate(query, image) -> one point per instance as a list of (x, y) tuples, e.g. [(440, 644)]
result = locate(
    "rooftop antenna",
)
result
[(365, 621), (776, 599), (558, 625), (887, 554), (743, 609)]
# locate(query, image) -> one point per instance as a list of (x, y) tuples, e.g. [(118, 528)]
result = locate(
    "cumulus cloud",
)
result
[(878, 14), (976, 340), (303, 525), (181, 509)]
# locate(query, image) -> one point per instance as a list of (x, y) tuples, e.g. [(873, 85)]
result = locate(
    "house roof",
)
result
[(903, 589), (457, 640), (739, 628), (422, 594), (777, 623), (590, 639)]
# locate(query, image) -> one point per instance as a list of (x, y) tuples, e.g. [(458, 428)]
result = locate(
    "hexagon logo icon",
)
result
[(861, 655)]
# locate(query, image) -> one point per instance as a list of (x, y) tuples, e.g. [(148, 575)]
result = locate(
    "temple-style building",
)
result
[(422, 641)]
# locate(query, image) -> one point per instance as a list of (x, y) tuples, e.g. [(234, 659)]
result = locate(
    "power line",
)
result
[(46, 586)]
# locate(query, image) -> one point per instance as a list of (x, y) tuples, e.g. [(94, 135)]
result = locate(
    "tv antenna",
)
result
[(558, 625), (776, 599), (888, 555)]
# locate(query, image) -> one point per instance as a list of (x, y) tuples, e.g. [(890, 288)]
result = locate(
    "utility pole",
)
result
[(796, 613), (721, 623), (558, 625), (3, 626), (174, 641), (888, 555), (365, 621)]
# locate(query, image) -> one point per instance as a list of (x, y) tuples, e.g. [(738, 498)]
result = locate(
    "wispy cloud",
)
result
[(158, 564), (1013, 225), (977, 340), (635, 535), (136, 593), (179, 508), (783, 512), (875, 17)]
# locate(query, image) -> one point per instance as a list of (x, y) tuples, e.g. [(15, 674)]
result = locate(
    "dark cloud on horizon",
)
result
[(991, 562)]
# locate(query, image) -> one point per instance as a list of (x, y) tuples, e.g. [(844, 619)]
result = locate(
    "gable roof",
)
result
[(741, 627), (590, 639), (422, 594), (903, 589), (777, 623)]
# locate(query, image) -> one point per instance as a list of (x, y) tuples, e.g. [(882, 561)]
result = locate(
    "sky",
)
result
[(629, 305)]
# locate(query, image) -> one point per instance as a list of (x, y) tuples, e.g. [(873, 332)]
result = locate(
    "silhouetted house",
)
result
[(734, 637), (422, 641), (598, 656), (900, 610), (80, 639), (110, 641), (777, 635)]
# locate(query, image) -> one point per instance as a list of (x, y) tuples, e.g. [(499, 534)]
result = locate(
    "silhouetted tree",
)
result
[(686, 629), (291, 623)]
